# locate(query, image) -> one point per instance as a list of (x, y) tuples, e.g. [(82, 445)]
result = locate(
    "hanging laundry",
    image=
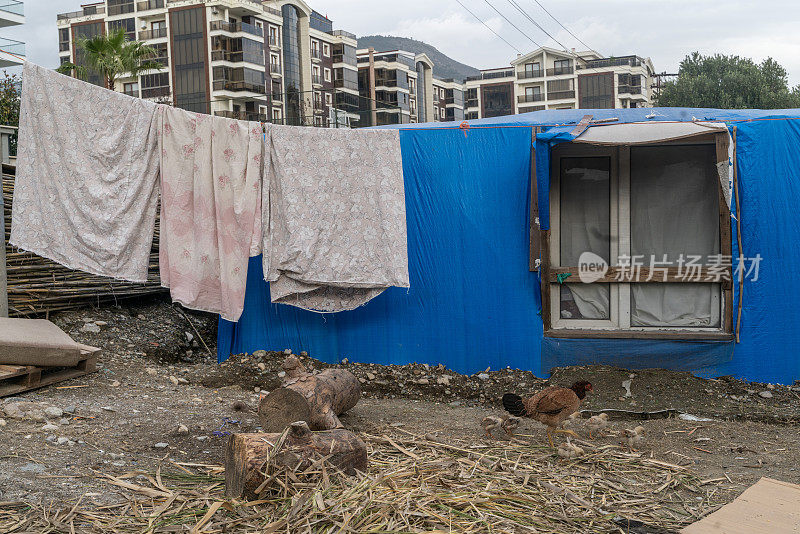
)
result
[(87, 173), (335, 223), (210, 209)]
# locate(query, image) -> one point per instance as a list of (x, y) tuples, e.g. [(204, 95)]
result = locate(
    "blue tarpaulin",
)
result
[(473, 302)]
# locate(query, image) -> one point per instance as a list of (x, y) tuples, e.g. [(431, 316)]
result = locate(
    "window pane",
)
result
[(585, 226), (674, 212)]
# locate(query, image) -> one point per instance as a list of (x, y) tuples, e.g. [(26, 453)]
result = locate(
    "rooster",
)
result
[(551, 406)]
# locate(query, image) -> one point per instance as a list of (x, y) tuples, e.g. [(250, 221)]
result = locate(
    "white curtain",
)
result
[(674, 211), (585, 206)]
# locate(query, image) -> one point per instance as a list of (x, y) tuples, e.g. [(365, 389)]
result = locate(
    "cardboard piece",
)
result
[(769, 506), (36, 342)]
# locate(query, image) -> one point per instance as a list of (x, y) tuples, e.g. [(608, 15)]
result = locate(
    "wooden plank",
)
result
[(725, 238), (3, 275), (535, 228), (700, 274), (39, 377), (582, 125), (545, 275), (576, 333)]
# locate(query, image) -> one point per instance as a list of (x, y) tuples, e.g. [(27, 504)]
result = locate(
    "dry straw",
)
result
[(414, 484)]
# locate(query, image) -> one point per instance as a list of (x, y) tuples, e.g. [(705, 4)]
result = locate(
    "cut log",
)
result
[(249, 458), (317, 399)]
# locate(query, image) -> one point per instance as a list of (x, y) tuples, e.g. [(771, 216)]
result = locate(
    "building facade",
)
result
[(399, 87), (12, 13), (551, 79), (272, 61)]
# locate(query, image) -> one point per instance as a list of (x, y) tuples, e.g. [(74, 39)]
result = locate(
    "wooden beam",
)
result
[(699, 274), (535, 229), (545, 274), (725, 239), (3, 275), (570, 333)]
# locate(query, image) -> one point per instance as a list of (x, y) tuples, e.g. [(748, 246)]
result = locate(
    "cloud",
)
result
[(664, 31)]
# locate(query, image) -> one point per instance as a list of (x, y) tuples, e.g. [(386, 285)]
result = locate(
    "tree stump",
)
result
[(317, 399), (248, 462)]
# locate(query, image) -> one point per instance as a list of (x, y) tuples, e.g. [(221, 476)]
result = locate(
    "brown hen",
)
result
[(551, 406)]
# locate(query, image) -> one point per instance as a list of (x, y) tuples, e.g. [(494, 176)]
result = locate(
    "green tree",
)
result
[(729, 82), (10, 89), (111, 56)]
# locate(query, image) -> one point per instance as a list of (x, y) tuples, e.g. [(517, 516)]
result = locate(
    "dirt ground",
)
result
[(157, 373)]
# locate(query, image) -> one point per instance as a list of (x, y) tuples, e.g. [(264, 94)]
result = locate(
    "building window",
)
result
[(276, 115), (326, 50), (596, 91), (274, 36), (327, 75), (652, 212), (131, 89), (328, 99), (441, 112), (315, 49), (562, 66)]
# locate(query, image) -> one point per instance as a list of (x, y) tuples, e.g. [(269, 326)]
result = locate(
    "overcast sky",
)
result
[(664, 30)]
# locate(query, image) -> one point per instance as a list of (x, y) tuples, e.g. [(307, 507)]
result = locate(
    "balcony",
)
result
[(237, 86), (242, 115), (558, 71), (275, 69), (63, 46), (560, 95), (86, 11), (148, 5), (491, 75), (14, 47), (277, 97), (164, 60), (630, 89), (535, 97), (236, 27), (155, 92), (316, 79), (628, 61), (14, 7), (121, 9), (237, 57), (530, 74), (471, 103), (146, 35), (346, 84), (342, 33)]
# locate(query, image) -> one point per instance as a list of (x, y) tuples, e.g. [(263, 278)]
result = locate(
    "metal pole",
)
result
[(3, 278)]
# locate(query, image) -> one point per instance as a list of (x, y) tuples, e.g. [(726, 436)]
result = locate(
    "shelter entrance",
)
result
[(640, 242)]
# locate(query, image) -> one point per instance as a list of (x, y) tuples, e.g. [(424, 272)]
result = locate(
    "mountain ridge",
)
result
[(443, 66)]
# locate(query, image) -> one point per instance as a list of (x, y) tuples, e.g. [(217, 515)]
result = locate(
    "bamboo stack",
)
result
[(37, 286)]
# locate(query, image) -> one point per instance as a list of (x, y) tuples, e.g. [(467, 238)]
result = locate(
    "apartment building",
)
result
[(12, 13), (552, 79), (399, 87), (272, 61)]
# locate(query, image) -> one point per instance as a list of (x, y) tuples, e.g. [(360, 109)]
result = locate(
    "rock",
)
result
[(100, 323), (287, 352), (2, 423), (62, 441), (304, 354), (161, 445), (197, 400), (69, 409), (54, 412), (765, 394), (63, 421), (182, 380), (281, 374), (27, 410), (371, 376), (202, 438), (262, 366), (345, 361), (183, 429), (151, 371), (483, 376), (50, 427), (189, 337), (141, 317), (108, 408), (32, 467), (260, 353), (443, 380), (455, 403), (770, 386), (115, 384), (91, 328), (423, 381), (173, 380)]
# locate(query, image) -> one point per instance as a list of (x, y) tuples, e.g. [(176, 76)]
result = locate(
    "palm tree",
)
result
[(112, 56)]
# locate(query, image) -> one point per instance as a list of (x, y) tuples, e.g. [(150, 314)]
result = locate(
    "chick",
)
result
[(634, 437), (597, 423), (510, 424), (491, 422), (572, 420), (569, 451)]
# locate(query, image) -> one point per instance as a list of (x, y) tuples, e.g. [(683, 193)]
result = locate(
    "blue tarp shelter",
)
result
[(474, 303)]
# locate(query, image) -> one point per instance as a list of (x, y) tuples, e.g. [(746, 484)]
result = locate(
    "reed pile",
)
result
[(37, 286), (414, 484)]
